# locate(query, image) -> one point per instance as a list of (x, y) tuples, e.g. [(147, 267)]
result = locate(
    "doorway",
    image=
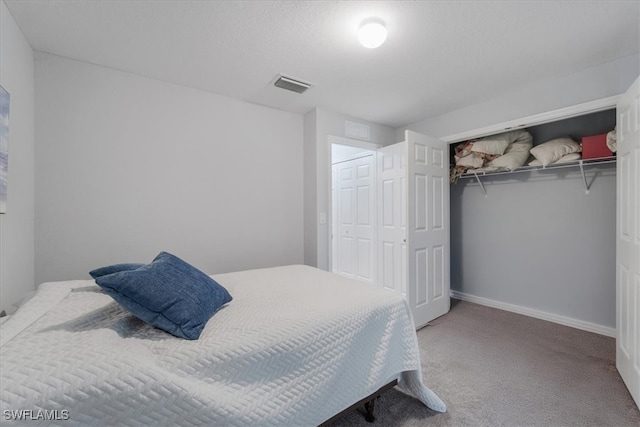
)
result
[(389, 222)]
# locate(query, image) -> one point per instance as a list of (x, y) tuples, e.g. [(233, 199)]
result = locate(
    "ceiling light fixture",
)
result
[(372, 33)]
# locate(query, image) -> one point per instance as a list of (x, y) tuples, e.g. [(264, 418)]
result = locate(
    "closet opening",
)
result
[(532, 240)]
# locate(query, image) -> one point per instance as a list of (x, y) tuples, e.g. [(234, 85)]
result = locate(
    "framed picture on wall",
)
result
[(4, 148)]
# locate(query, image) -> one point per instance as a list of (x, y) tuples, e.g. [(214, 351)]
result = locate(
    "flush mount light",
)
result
[(372, 33)]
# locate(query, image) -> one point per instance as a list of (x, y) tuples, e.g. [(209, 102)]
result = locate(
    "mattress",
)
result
[(295, 346)]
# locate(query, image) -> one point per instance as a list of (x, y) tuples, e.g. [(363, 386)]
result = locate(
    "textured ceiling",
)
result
[(439, 55)]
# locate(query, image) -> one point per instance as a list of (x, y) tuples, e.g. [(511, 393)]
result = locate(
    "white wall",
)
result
[(310, 190), (17, 225), (129, 166), (612, 78), (319, 125), (538, 242)]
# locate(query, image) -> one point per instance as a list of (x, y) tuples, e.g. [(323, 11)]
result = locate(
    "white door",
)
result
[(628, 241), (392, 217), (428, 273), (334, 220), (355, 213)]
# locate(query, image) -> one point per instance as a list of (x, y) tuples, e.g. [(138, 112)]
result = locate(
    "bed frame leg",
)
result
[(368, 402), (368, 408)]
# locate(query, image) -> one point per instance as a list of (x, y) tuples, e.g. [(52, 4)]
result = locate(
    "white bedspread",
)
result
[(296, 346)]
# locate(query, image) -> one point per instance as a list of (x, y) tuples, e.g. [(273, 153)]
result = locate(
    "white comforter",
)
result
[(294, 347)]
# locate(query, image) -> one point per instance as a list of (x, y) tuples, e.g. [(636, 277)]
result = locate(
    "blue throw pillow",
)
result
[(168, 293), (115, 268)]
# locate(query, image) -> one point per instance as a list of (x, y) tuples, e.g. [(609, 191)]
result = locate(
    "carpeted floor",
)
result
[(496, 368)]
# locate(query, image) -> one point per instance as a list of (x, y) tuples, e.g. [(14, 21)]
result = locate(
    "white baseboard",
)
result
[(555, 318)]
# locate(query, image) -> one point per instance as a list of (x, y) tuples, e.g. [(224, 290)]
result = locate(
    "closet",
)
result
[(561, 244), (541, 241)]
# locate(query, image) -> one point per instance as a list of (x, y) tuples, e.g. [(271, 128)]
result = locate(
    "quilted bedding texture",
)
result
[(296, 346)]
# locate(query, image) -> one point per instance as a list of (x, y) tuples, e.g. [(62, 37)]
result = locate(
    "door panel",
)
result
[(428, 227), (421, 198), (354, 212), (365, 215), (334, 219), (346, 207), (391, 211), (364, 205), (421, 271), (438, 271), (438, 202), (628, 241), (364, 250), (345, 221)]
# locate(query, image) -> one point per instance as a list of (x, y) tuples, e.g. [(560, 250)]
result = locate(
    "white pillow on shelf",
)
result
[(495, 145), (551, 151), (515, 156), (571, 157), (499, 144)]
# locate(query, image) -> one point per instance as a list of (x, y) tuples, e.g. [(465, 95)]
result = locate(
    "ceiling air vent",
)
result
[(291, 84)]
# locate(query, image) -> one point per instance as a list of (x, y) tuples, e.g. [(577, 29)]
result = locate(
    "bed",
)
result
[(296, 346)]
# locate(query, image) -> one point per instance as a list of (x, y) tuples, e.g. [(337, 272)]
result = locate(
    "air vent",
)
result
[(357, 130), (291, 84)]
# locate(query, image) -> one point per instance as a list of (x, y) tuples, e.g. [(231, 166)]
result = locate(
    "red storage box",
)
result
[(595, 146)]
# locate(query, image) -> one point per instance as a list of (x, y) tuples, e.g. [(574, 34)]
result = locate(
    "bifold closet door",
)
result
[(628, 241), (355, 214)]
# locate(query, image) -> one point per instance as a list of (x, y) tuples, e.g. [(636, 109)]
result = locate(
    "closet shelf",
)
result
[(580, 163)]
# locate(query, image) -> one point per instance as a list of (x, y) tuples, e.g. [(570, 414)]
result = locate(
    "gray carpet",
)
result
[(495, 368)]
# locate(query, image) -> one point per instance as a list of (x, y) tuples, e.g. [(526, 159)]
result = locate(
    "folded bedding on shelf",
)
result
[(505, 151), (514, 157)]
